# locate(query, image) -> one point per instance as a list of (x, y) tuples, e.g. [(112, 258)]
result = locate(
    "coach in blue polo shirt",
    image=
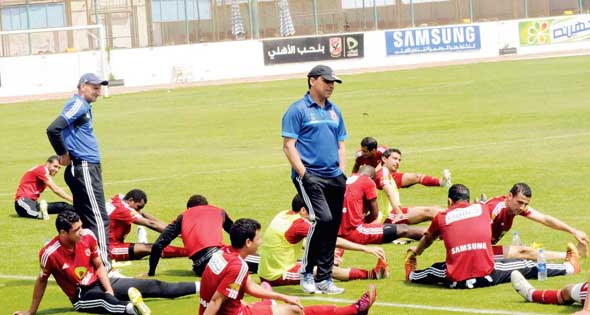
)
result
[(72, 138), (313, 134)]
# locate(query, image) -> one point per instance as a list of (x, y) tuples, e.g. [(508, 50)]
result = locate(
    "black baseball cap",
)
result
[(324, 72), (92, 79)]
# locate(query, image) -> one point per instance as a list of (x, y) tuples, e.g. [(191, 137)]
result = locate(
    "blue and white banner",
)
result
[(432, 39)]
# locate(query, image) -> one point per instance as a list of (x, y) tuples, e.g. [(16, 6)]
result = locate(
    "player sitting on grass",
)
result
[(128, 209), (389, 199), (505, 208), (283, 243), (73, 259), (226, 280), (465, 230)]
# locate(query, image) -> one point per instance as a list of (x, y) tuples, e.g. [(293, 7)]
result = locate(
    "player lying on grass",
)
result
[(466, 233), (72, 258), (283, 246), (126, 210), (32, 185), (360, 198), (389, 199), (505, 208), (226, 280), (370, 154)]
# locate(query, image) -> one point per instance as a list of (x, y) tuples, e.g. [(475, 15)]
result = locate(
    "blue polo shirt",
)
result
[(79, 134), (318, 131)]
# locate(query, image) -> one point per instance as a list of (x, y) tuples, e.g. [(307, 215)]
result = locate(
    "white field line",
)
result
[(425, 307), (345, 301), (439, 149)]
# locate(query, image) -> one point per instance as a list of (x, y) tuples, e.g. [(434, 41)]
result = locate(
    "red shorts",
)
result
[(366, 234), (290, 277), (392, 219), (119, 251), (258, 308), (397, 177)]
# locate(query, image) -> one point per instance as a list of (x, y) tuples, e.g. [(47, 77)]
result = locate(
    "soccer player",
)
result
[(465, 230), (505, 208), (371, 153), (201, 228), (282, 247), (128, 209), (389, 199), (360, 197), (32, 185), (72, 258), (567, 295), (226, 280)]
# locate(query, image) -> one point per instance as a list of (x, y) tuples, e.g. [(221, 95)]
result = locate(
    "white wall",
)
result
[(33, 75)]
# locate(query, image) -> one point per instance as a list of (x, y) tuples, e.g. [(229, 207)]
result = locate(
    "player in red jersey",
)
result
[(226, 280), (567, 295), (283, 243), (72, 257), (389, 199), (360, 197), (32, 185), (505, 208), (465, 230), (126, 210), (371, 153)]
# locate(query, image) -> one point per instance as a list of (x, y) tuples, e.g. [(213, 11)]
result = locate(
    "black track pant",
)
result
[(29, 208), (324, 198), (436, 274), (85, 182), (93, 299)]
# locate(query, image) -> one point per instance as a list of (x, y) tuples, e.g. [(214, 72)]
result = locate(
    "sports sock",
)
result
[(173, 251), (429, 181), (547, 296), (330, 310), (130, 309), (355, 274), (569, 268)]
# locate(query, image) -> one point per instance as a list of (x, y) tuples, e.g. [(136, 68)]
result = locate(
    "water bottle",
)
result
[(516, 239), (541, 266)]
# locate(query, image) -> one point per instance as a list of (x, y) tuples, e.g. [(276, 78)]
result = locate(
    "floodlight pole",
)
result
[(315, 16)]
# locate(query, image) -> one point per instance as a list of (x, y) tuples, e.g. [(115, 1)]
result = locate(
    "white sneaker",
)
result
[(137, 301), (142, 235), (307, 283), (446, 179), (43, 210), (328, 287), (521, 285)]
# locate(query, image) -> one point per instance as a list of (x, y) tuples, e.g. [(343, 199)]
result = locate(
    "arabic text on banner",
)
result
[(432, 39), (554, 31), (303, 49)]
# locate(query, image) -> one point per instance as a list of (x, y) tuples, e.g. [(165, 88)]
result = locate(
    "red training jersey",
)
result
[(502, 217), (373, 161), (202, 227), (466, 232), (32, 184), (297, 231), (70, 267), (121, 216), (359, 189), (226, 273), (384, 177)]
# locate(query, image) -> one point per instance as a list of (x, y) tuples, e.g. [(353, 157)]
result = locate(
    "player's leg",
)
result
[(360, 307), (289, 277), (57, 207), (435, 274), (151, 288), (27, 208), (528, 269), (419, 214), (392, 232), (122, 251), (562, 296), (526, 252), (93, 299)]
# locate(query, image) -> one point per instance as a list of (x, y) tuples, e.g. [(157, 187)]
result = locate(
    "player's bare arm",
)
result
[(255, 290), (101, 272), (293, 155), (559, 225), (391, 191), (58, 190), (215, 304), (372, 250), (38, 292), (342, 156), (425, 242), (155, 225), (374, 210)]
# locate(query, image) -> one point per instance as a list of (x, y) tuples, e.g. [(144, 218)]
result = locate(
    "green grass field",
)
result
[(492, 124)]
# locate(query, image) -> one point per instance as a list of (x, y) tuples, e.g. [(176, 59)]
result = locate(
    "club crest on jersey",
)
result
[(87, 252), (80, 272), (463, 213), (333, 115)]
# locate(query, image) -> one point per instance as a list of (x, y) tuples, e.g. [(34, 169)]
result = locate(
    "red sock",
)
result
[(173, 251), (429, 181), (330, 310), (355, 274), (547, 296)]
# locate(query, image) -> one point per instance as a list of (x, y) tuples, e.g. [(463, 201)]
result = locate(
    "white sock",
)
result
[(529, 295), (569, 268), (130, 309), (197, 286)]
